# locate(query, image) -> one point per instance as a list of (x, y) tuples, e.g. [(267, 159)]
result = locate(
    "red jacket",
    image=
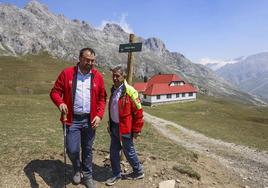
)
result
[(63, 92), (130, 111)]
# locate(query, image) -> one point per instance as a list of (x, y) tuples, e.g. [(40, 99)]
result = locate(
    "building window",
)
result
[(190, 94), (169, 96), (157, 96), (177, 95), (183, 95), (144, 96), (181, 83)]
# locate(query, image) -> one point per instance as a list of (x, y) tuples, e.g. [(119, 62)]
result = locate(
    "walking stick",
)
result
[(64, 149)]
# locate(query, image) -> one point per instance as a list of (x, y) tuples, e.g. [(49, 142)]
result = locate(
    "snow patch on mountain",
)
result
[(216, 64)]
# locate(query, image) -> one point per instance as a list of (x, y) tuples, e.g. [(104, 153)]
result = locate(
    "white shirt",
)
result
[(114, 111), (82, 93)]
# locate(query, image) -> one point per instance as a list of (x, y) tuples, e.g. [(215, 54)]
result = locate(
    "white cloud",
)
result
[(122, 22)]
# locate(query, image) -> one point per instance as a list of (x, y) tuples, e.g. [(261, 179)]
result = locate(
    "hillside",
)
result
[(220, 119), (214, 117), (249, 73), (250, 164), (32, 152), (31, 149), (35, 29), (32, 141)]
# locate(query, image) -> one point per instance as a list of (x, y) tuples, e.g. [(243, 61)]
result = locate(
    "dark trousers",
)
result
[(81, 134), (128, 149)]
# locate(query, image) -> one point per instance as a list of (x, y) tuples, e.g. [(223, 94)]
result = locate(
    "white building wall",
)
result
[(163, 98), (141, 96), (147, 99)]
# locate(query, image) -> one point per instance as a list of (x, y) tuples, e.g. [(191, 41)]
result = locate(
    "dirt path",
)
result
[(250, 164)]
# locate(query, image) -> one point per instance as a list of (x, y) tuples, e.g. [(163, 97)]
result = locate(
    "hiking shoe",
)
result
[(77, 178), (134, 176), (89, 183), (111, 181)]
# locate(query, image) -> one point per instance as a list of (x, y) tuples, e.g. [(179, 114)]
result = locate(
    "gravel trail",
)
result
[(250, 164)]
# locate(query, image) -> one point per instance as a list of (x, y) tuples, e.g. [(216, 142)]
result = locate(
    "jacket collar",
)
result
[(93, 70), (123, 89)]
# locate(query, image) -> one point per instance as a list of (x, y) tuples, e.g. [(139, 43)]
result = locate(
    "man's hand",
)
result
[(63, 108), (136, 135), (96, 122)]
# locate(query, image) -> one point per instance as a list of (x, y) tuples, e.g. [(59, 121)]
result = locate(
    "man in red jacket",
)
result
[(125, 123), (80, 95)]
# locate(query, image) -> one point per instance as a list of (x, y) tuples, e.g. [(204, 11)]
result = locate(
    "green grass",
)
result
[(29, 74), (2, 51), (217, 118), (30, 128), (33, 74), (220, 119)]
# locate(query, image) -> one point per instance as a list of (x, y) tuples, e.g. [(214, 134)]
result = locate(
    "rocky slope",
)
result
[(35, 29), (250, 74)]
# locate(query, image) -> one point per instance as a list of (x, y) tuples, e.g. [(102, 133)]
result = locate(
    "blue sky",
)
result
[(215, 29)]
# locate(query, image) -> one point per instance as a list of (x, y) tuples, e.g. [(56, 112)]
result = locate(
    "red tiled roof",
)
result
[(158, 89), (163, 78), (159, 84), (140, 87)]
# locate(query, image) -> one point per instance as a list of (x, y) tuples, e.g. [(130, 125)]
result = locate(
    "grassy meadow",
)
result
[(30, 129), (33, 74), (221, 119)]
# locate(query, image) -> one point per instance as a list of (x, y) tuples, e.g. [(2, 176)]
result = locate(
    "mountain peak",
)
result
[(112, 27), (155, 44), (35, 29), (36, 7)]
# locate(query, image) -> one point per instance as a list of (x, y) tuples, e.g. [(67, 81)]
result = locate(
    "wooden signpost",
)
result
[(130, 47)]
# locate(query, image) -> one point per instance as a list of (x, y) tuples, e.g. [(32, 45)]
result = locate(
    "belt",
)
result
[(84, 115), (113, 123)]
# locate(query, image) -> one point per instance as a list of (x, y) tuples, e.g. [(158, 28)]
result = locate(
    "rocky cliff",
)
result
[(34, 29)]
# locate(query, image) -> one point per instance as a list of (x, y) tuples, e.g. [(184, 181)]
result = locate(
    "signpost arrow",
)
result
[(130, 47)]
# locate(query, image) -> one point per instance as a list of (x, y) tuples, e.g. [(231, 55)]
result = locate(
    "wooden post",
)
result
[(130, 61), (129, 79), (130, 47)]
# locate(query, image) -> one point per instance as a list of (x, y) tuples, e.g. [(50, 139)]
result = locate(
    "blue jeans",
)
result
[(80, 134), (128, 149)]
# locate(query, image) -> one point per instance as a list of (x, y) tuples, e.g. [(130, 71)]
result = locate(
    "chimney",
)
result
[(145, 79)]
